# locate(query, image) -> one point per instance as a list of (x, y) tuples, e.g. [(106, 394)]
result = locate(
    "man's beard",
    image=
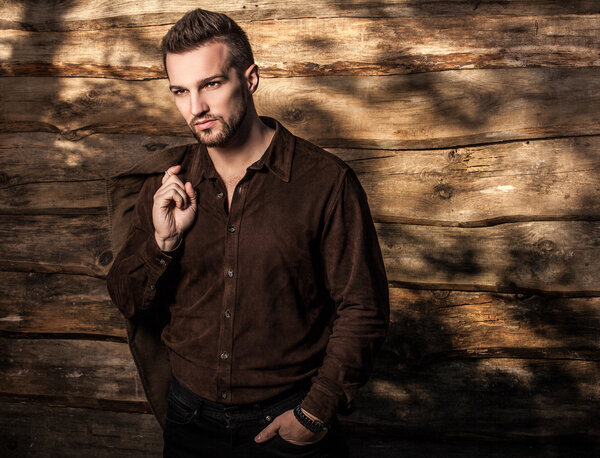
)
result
[(217, 138)]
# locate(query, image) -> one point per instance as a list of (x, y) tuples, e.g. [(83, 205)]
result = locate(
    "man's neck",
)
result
[(248, 145)]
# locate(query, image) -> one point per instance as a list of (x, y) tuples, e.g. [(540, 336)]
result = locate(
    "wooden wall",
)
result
[(474, 127)]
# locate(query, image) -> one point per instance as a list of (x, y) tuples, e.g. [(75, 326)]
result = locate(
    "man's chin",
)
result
[(211, 141)]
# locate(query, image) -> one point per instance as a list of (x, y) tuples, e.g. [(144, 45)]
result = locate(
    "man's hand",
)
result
[(174, 209), (290, 429)]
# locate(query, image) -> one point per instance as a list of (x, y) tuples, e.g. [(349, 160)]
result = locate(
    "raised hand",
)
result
[(174, 209)]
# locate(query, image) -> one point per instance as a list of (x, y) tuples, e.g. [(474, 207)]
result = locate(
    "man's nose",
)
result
[(198, 105)]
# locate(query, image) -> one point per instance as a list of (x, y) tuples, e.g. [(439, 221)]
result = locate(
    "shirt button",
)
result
[(231, 228), (224, 355), (230, 273), (224, 394), (220, 195), (162, 261), (227, 314), (268, 418), (151, 286)]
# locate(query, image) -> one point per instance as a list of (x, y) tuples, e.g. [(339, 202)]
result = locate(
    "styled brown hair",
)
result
[(199, 27)]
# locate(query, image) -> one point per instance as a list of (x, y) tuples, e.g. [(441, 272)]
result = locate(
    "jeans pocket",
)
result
[(178, 412)]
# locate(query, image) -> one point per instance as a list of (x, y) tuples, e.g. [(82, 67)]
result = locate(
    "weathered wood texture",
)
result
[(43, 173), (363, 46), (101, 14), (557, 257), (427, 110), (41, 430), (486, 353), (57, 305), (37, 430), (474, 129), (426, 324)]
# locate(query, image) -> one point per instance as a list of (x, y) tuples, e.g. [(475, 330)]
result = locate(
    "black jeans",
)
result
[(197, 427)]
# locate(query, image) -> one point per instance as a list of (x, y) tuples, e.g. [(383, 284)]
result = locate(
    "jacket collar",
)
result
[(277, 157)]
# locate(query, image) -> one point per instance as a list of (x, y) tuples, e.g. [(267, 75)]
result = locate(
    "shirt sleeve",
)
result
[(356, 279), (134, 277)]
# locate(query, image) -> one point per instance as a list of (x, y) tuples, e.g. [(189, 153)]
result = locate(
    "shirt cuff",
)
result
[(321, 404), (157, 262), (157, 259)]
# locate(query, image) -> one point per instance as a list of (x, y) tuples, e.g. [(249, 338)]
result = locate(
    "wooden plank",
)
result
[(55, 305), (527, 257), (39, 430), (558, 257), (482, 185), (352, 46), (49, 157), (78, 373), (495, 397), (466, 187), (76, 244), (99, 14), (442, 109), (43, 173), (428, 326)]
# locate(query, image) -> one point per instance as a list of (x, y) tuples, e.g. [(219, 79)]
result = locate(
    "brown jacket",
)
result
[(143, 330)]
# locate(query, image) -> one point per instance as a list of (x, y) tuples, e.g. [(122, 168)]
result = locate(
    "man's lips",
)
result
[(205, 124)]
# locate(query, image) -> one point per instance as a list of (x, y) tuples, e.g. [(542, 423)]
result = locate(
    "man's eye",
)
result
[(213, 84), (178, 91)]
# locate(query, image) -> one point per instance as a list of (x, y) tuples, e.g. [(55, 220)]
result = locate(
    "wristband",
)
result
[(307, 422)]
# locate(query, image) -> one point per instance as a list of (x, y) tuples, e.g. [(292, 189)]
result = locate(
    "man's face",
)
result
[(208, 92)]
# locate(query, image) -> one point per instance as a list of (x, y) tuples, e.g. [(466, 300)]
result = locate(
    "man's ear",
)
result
[(252, 76)]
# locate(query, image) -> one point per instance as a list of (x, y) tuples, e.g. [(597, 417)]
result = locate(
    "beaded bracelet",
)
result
[(307, 422)]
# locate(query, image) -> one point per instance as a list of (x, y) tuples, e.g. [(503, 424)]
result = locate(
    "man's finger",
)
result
[(191, 192), (268, 433), (173, 170), (172, 195)]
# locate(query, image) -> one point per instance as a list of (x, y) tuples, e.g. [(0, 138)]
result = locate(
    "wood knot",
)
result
[(546, 246), (155, 146), (105, 258), (293, 115), (4, 178), (454, 156), (444, 191)]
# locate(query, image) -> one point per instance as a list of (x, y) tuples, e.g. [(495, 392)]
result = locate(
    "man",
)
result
[(267, 258)]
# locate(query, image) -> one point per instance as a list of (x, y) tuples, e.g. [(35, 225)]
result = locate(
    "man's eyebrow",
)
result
[(202, 82)]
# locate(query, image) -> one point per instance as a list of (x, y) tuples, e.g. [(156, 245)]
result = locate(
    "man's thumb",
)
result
[(268, 433)]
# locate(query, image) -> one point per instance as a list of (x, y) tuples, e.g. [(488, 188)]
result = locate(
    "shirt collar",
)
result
[(277, 157)]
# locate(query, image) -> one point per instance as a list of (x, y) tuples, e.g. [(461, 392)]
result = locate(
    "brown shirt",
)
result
[(288, 287)]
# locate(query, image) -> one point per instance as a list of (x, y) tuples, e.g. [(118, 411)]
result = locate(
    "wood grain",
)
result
[(85, 373), (437, 325), (76, 244), (546, 257), (466, 187), (298, 47), (482, 185), (37, 429), (426, 325), (554, 257), (54, 305), (100, 14), (520, 397), (443, 109)]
